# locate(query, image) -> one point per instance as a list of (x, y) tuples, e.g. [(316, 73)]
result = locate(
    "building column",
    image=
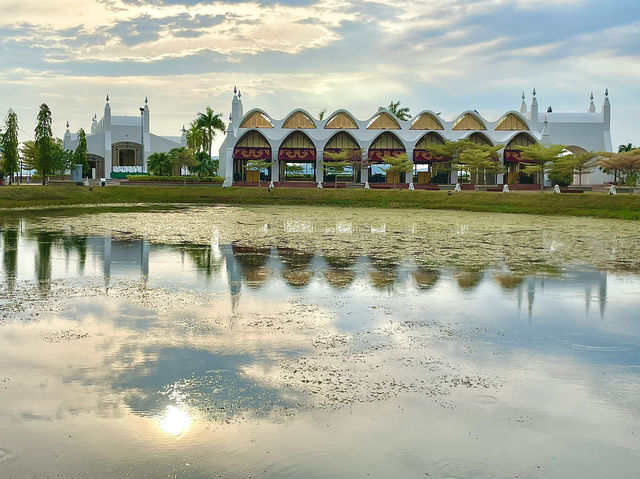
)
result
[(319, 170), (454, 177), (364, 174), (408, 177), (275, 167)]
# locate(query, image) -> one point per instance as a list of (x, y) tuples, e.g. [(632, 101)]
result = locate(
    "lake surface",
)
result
[(288, 342)]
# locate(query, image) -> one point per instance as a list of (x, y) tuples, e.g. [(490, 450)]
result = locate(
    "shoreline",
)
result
[(14, 199)]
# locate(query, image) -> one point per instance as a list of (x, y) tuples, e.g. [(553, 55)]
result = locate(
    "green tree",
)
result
[(44, 160), (182, 158), (544, 159), (196, 136), (29, 154), (394, 107), (205, 166), (397, 164), (626, 163), (627, 147), (322, 113), (584, 163), (62, 160), (450, 149), (9, 144), (160, 164), (210, 122), (80, 155), (258, 165), (478, 160), (337, 164)]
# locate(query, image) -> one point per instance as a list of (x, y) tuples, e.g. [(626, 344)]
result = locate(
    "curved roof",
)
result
[(426, 114), (473, 114), (290, 120), (256, 113)]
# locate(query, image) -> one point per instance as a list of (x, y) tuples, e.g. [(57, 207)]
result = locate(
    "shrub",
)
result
[(177, 179)]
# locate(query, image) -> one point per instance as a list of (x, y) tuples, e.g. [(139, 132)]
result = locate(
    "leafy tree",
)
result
[(205, 166), (160, 164), (80, 155), (627, 147), (210, 122), (394, 107), (627, 163), (397, 164), (584, 163), (258, 165), (196, 136), (9, 144), (182, 158), (561, 177), (337, 164), (44, 160), (544, 159), (450, 149), (62, 160), (358, 160), (479, 159), (29, 154)]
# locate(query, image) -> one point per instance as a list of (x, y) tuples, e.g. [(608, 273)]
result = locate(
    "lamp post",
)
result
[(142, 135)]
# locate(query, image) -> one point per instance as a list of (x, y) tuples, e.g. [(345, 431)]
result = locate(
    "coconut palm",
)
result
[(210, 122), (195, 136), (394, 107)]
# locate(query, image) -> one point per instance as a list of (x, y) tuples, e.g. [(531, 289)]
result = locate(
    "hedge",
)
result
[(181, 179)]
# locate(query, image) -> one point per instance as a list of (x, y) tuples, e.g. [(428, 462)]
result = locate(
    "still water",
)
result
[(315, 343)]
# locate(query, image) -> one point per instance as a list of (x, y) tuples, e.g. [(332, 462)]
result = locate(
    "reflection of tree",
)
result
[(45, 241), (10, 253), (385, 272), (252, 262), (425, 277), (203, 258), (469, 279), (76, 243), (508, 280), (296, 266)]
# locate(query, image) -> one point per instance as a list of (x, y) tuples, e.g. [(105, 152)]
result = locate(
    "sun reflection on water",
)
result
[(175, 421)]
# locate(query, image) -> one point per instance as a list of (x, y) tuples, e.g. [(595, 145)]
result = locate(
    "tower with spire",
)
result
[(533, 114), (106, 126), (592, 106), (523, 106)]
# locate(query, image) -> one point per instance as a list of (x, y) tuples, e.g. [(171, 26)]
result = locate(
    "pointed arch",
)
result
[(297, 146), (342, 141), (421, 153), (341, 120), (385, 144), (512, 152), (256, 119), (426, 121), (512, 122), (479, 139), (469, 121), (299, 119), (252, 146), (383, 120)]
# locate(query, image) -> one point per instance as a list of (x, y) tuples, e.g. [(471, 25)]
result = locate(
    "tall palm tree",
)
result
[(210, 122), (196, 136), (394, 107)]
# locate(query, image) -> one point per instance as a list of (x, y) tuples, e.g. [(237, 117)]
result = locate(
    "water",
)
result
[(318, 343)]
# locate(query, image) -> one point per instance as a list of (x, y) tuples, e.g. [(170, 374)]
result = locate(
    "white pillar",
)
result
[(275, 167), (364, 174), (408, 177), (454, 177), (319, 170)]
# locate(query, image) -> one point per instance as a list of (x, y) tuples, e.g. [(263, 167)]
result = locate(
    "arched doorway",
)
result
[(297, 158), (126, 157), (386, 144), (484, 178), (428, 167), (514, 161), (96, 166), (342, 141), (252, 146)]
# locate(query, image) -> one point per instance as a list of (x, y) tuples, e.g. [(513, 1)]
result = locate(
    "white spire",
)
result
[(523, 105), (592, 106)]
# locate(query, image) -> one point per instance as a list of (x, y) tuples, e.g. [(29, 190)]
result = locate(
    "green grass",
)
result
[(588, 204)]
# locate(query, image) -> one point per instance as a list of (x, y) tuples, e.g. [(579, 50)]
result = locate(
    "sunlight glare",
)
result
[(175, 421)]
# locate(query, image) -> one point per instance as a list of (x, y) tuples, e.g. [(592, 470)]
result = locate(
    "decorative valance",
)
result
[(299, 154), (251, 153), (514, 156), (425, 156), (376, 155)]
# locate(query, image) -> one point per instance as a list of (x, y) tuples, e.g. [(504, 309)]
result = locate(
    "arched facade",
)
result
[(253, 146), (383, 134), (297, 158)]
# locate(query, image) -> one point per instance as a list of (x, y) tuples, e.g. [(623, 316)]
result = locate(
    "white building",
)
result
[(301, 139), (118, 145)]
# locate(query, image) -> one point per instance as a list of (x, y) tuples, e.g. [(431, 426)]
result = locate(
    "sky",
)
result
[(444, 55)]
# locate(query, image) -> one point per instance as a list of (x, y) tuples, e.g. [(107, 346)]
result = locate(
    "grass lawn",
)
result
[(622, 206)]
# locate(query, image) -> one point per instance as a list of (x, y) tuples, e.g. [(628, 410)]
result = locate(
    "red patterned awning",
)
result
[(251, 153), (424, 156), (377, 155), (514, 156), (297, 154)]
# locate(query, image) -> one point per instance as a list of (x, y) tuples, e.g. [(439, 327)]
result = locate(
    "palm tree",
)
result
[(627, 147), (195, 136), (394, 107), (210, 122), (322, 113)]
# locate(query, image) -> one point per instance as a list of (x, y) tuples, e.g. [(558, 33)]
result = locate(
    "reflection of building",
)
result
[(302, 140), (115, 143)]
